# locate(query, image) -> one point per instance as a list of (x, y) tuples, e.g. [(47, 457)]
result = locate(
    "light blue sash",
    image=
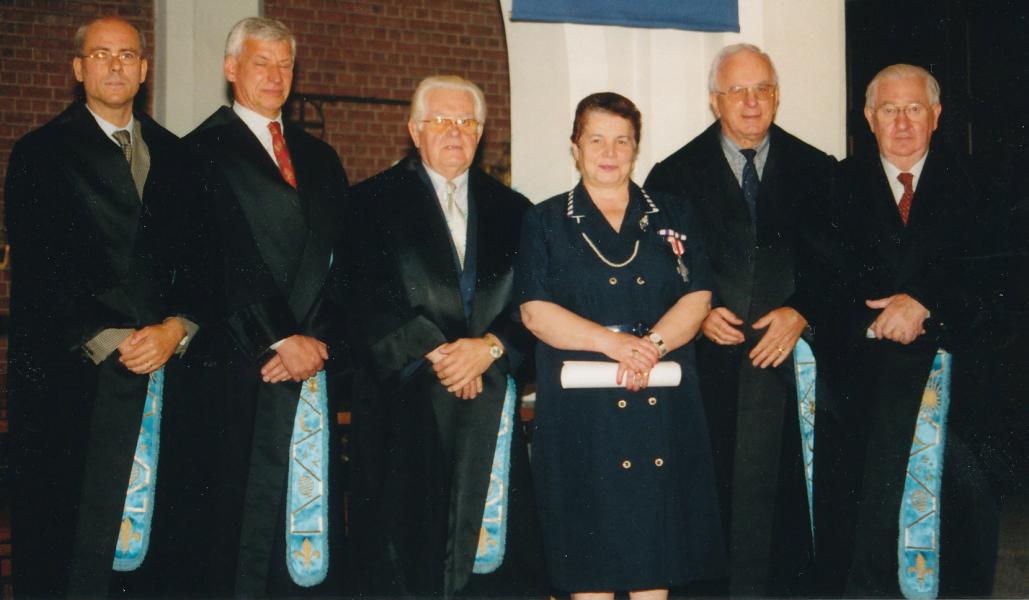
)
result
[(493, 534), (805, 368), (307, 517), (134, 533), (918, 547)]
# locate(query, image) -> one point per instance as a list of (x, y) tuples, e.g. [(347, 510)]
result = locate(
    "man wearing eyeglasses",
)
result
[(264, 197), (902, 502), (435, 509), (91, 218), (757, 191)]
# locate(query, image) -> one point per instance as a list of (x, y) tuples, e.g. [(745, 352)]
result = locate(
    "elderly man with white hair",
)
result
[(442, 503), (758, 192), (902, 503), (262, 197)]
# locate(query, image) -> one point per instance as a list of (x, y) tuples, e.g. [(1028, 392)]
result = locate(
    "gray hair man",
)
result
[(264, 196), (910, 224), (756, 190), (431, 242)]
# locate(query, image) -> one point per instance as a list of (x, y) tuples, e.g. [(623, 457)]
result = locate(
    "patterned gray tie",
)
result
[(125, 141)]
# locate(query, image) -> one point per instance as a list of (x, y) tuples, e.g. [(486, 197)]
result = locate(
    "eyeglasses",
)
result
[(125, 57), (441, 124), (914, 111), (763, 92)]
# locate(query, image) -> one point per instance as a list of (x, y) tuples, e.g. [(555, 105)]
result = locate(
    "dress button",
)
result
[(622, 404), (613, 281), (626, 464), (652, 401), (658, 462), (640, 280)]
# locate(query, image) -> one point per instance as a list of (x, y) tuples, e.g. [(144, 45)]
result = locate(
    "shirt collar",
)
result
[(892, 172), (257, 123), (109, 128), (439, 183)]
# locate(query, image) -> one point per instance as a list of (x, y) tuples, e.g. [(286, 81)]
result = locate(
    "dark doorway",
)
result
[(976, 49)]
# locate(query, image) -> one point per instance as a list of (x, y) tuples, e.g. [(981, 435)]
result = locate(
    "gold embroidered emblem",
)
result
[(920, 569), (307, 553), (126, 536), (485, 542), (930, 398), (305, 485), (920, 501)]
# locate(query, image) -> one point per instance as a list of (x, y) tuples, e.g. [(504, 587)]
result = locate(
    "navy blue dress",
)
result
[(624, 479)]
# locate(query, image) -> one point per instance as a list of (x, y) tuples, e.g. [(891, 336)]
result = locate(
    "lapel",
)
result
[(317, 255), (425, 253), (99, 171), (881, 213), (494, 248), (723, 191)]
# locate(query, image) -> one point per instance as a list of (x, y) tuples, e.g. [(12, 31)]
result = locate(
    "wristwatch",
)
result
[(495, 349), (656, 339)]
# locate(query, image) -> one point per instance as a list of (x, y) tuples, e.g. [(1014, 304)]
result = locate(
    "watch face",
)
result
[(495, 351)]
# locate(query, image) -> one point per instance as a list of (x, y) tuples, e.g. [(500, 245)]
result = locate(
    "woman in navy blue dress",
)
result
[(611, 272)]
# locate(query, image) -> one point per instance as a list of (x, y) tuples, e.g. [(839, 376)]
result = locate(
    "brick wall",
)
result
[(382, 49)]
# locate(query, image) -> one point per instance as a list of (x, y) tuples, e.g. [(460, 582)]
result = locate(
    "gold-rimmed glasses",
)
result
[(763, 92), (441, 124), (125, 57)]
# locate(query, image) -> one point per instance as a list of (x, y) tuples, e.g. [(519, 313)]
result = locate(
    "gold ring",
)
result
[(780, 349)]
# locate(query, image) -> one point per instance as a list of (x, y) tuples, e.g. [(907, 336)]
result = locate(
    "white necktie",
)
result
[(456, 222)]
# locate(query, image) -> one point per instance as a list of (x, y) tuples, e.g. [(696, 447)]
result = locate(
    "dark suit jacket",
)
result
[(422, 457), (864, 436), (261, 267), (757, 267), (88, 255)]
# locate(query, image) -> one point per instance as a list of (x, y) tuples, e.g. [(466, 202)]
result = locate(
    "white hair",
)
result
[(446, 82), (258, 28), (903, 71), (728, 52)]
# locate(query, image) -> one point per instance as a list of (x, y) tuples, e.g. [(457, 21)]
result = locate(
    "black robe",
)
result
[(261, 267), (88, 255), (863, 437), (421, 457), (752, 413)]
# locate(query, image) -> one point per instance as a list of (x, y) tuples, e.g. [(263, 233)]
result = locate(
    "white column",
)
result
[(664, 71), (188, 80)]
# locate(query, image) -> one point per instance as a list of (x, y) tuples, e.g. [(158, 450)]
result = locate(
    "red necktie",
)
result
[(282, 154), (905, 200)]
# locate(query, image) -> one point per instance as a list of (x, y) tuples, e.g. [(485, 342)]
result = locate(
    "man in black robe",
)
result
[(912, 228), (263, 198), (91, 219), (430, 247), (757, 191)]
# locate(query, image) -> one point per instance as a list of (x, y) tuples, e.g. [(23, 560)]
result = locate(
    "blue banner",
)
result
[(693, 15)]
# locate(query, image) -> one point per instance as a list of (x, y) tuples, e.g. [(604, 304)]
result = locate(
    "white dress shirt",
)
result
[(258, 124), (891, 176)]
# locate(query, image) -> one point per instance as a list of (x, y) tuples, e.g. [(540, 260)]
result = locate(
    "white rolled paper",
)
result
[(578, 374)]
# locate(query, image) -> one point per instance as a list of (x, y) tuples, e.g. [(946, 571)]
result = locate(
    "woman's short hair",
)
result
[(258, 28), (609, 102), (446, 82), (903, 71)]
